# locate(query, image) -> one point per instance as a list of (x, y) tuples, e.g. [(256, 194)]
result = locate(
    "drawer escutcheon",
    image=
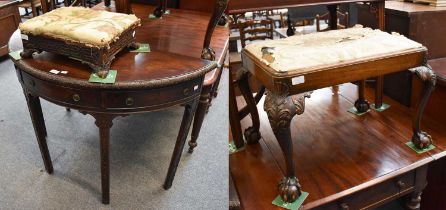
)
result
[(129, 101), (76, 97)]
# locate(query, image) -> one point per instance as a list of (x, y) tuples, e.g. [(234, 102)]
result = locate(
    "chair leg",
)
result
[(199, 116)]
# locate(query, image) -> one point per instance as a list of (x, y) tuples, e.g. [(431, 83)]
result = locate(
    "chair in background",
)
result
[(251, 30), (212, 79), (34, 5), (342, 22)]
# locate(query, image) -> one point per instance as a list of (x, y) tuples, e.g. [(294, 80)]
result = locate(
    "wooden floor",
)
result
[(336, 153)]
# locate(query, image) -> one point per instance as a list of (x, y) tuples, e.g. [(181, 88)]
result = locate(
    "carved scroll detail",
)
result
[(281, 109)]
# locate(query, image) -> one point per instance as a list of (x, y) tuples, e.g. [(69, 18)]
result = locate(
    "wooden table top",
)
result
[(408, 7), (181, 32), (176, 42)]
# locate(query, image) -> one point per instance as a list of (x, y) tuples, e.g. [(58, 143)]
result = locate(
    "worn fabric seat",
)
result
[(306, 53), (83, 25)]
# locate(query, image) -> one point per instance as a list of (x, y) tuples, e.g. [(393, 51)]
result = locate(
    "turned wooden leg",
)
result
[(335, 89), (35, 111), (420, 138), (161, 9), (189, 112), (281, 109), (199, 116), (104, 123), (252, 134), (379, 92), (361, 104), (414, 199)]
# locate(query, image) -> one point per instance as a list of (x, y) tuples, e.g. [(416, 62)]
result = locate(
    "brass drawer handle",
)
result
[(401, 184), (76, 98), (129, 101), (186, 91), (344, 206)]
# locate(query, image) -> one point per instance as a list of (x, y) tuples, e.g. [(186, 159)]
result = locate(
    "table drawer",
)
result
[(61, 94), (376, 195), (151, 97)]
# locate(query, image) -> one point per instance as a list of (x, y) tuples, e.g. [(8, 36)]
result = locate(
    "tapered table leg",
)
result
[(104, 123), (252, 134), (281, 109), (420, 138), (361, 104), (189, 112), (35, 110), (203, 105)]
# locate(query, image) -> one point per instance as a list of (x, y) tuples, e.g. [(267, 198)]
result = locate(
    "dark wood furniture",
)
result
[(145, 82), (9, 20), (251, 30), (360, 161), (418, 22), (98, 58), (343, 20), (281, 107)]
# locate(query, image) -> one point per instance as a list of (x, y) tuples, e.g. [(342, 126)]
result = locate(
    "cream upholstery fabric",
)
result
[(83, 25), (308, 51)]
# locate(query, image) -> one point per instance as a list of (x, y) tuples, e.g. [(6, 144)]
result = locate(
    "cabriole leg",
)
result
[(252, 134), (281, 109), (420, 138)]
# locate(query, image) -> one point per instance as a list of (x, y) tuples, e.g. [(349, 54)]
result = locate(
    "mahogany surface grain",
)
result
[(181, 32), (338, 153)]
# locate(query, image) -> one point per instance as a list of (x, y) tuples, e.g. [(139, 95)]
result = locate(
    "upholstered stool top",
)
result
[(308, 52), (83, 25)]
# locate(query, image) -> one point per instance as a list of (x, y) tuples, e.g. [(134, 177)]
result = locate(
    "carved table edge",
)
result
[(56, 79)]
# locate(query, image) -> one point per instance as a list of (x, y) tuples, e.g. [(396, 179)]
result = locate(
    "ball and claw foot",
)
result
[(422, 140), (27, 53), (102, 74), (362, 105), (252, 135), (133, 46), (158, 12), (289, 189), (192, 145)]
